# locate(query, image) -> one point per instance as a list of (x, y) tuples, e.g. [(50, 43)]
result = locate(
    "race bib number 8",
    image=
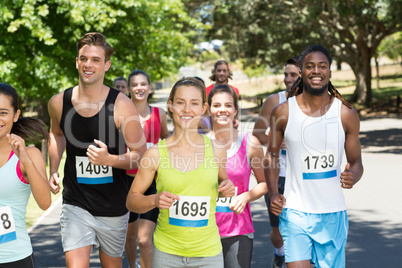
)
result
[(223, 203), (88, 173), (7, 225), (319, 166), (190, 211)]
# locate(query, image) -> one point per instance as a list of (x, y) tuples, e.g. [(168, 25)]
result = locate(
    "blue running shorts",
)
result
[(320, 238)]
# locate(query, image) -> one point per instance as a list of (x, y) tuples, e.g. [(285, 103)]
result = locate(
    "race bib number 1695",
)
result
[(190, 211)]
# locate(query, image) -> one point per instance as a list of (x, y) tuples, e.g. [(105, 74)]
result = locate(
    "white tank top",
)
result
[(315, 148), (282, 155)]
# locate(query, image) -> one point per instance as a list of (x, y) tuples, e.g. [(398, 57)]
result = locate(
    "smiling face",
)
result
[(139, 87), (291, 73), (316, 73), (91, 64), (222, 108), (187, 107), (7, 115), (222, 74), (121, 85)]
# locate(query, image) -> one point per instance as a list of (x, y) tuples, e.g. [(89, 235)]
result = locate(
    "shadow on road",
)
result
[(368, 241), (383, 138)]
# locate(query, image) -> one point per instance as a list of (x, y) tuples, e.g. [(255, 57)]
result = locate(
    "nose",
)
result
[(316, 69)]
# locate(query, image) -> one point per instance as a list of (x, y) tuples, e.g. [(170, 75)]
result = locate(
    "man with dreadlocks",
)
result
[(317, 124)]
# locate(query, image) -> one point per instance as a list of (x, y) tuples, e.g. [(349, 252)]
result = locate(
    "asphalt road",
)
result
[(374, 208)]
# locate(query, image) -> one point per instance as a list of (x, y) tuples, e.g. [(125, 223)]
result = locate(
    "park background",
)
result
[(173, 38)]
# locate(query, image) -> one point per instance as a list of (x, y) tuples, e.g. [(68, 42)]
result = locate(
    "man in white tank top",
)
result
[(291, 74), (317, 124)]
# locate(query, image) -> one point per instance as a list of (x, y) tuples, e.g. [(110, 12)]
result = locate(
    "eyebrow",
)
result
[(4, 109), (318, 62), (190, 100)]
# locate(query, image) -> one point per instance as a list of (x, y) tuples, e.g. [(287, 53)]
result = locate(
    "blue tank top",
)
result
[(15, 243)]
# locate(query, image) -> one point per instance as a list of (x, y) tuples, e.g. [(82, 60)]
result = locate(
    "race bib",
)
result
[(190, 211), (223, 203), (7, 225), (88, 173), (319, 166)]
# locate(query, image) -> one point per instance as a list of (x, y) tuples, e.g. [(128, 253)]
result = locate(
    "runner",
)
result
[(291, 73), (244, 153), (191, 173), (317, 124), (94, 123), (153, 122), (23, 170)]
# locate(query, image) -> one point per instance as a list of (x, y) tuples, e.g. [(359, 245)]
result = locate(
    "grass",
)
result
[(33, 210)]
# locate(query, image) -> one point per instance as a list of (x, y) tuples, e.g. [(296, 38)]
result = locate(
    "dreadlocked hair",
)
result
[(297, 89)]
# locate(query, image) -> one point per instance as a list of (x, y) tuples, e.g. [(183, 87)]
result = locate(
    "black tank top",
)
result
[(101, 190)]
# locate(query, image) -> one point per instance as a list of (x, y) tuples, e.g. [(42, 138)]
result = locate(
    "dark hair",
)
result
[(30, 129), (314, 48), (298, 86), (138, 72), (293, 61), (187, 81), (220, 62), (200, 79), (119, 78), (223, 89), (96, 39)]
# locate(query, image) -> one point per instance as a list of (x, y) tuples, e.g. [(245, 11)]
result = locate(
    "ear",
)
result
[(17, 115), (170, 106), (107, 65), (76, 63), (205, 107), (299, 73)]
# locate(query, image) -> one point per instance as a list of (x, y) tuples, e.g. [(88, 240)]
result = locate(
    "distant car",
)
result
[(213, 45)]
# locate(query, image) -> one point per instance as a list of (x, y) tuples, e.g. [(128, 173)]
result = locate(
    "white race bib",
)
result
[(7, 225), (319, 166), (88, 173), (223, 203), (190, 211)]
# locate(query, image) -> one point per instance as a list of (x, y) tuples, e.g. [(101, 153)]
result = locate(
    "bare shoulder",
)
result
[(56, 102), (35, 154), (124, 104), (281, 109), (269, 105), (350, 118)]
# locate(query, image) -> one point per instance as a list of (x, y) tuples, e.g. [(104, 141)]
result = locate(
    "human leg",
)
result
[(27, 262), (109, 261), (278, 259), (78, 257), (131, 241), (237, 251), (145, 232)]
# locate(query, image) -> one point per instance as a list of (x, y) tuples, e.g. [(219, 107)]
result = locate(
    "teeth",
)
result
[(316, 78), (186, 117)]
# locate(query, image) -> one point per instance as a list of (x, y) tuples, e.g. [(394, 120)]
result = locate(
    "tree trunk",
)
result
[(362, 71), (377, 70)]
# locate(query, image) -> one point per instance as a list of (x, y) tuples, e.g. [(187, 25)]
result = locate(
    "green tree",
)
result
[(269, 31), (38, 46)]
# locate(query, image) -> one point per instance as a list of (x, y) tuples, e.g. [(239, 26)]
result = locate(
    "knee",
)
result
[(145, 242)]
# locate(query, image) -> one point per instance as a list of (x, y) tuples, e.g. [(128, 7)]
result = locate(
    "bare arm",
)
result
[(278, 122), (136, 200), (128, 122), (164, 130), (226, 187), (354, 168), (57, 141), (257, 165), (262, 123), (33, 168)]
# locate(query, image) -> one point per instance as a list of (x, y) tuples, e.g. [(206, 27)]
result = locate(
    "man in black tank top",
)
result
[(94, 123)]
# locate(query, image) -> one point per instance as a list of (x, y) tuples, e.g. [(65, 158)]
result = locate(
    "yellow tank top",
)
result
[(189, 227)]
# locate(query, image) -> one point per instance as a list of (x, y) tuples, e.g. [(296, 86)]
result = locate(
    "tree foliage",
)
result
[(38, 46), (269, 31)]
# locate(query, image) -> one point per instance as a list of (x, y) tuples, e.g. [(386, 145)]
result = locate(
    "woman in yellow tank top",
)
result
[(191, 175)]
